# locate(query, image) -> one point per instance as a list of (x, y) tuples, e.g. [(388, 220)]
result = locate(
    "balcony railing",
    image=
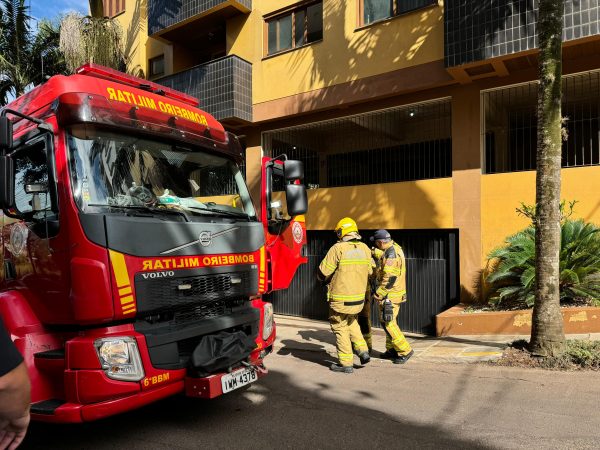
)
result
[(163, 14), (476, 30), (224, 87)]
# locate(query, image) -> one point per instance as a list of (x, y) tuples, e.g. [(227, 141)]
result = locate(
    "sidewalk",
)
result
[(298, 334)]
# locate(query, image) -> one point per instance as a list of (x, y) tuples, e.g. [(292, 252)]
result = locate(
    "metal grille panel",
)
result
[(411, 142), (432, 279), (510, 124), (164, 293)]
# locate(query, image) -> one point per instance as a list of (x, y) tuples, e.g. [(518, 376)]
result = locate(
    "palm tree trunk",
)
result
[(547, 335)]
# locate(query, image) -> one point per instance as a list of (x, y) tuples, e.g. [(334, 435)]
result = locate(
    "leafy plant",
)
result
[(513, 277)]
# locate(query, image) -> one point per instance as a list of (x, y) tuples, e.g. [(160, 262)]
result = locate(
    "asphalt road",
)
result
[(301, 404)]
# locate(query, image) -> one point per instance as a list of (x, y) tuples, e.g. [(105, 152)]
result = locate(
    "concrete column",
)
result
[(254, 155), (466, 181)]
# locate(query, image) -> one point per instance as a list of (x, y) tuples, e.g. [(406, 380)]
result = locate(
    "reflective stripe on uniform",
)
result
[(355, 262), (392, 270), (345, 356), (347, 298), (329, 266)]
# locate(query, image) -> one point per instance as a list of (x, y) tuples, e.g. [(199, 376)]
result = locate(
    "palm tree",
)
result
[(92, 38), (547, 334), (23, 53)]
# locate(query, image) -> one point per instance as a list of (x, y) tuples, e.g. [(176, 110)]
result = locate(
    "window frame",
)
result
[(150, 61), (290, 11), (395, 12)]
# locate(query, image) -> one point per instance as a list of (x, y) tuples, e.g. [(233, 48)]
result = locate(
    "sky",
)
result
[(50, 9)]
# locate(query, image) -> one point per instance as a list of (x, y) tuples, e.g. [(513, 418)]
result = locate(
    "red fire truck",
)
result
[(134, 262)]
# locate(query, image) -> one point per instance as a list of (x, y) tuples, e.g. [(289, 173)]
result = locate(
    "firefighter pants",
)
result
[(364, 322), (346, 330), (394, 338)]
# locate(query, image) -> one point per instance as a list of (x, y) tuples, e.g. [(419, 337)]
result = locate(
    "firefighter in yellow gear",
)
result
[(391, 285), (346, 268), (364, 317)]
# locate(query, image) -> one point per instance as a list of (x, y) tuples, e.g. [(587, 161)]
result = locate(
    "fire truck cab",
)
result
[(134, 261)]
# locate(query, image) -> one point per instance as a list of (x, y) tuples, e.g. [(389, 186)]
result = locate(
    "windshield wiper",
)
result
[(145, 208), (220, 212)]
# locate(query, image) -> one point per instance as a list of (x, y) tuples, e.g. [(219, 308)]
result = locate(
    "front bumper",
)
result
[(91, 395)]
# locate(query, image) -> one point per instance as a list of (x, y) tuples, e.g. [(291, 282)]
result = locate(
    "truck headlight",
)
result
[(120, 358), (267, 321)]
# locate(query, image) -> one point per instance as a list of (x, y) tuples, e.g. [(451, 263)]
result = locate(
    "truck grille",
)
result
[(172, 294), (202, 311)]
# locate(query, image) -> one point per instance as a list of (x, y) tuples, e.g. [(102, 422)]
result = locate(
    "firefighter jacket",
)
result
[(347, 265), (391, 279)]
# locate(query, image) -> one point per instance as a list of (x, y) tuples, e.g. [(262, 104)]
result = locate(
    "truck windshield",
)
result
[(119, 171)]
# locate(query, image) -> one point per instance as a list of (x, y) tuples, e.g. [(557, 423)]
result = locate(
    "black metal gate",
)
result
[(432, 278)]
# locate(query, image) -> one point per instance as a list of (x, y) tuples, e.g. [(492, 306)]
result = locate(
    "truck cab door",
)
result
[(283, 205)]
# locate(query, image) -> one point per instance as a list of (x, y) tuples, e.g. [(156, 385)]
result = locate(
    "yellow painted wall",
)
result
[(502, 193), (138, 46), (414, 204), (345, 54)]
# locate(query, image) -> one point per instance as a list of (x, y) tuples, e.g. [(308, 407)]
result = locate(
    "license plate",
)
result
[(237, 379)]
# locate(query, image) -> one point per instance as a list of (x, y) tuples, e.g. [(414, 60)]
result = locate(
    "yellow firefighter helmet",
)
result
[(345, 226)]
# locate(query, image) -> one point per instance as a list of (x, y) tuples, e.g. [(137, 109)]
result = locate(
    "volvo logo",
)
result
[(205, 238), (163, 274)]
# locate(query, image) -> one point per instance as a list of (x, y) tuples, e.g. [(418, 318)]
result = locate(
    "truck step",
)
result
[(46, 407), (50, 360), (58, 353)]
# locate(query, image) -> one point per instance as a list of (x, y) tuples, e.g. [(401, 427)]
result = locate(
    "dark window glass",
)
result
[(315, 22), (157, 66), (404, 6), (31, 169), (285, 33), (300, 21), (376, 10), (272, 36)]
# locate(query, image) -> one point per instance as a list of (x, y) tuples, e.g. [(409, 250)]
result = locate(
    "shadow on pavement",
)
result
[(309, 352), (274, 413)]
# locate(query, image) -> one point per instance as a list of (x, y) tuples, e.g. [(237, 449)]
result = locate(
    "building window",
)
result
[(375, 10), (113, 8), (295, 28), (510, 125), (157, 66)]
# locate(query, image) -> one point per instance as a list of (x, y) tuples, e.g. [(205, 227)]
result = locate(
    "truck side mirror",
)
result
[(7, 182), (36, 188), (293, 170), (6, 134), (296, 199)]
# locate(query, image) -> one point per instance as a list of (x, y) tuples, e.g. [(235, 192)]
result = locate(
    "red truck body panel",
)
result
[(64, 292)]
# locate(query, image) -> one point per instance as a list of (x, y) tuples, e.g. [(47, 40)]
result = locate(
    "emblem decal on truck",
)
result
[(297, 232), (165, 274), (205, 239)]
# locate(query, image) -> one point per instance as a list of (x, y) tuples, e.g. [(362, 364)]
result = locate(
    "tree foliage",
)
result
[(86, 39), (513, 277), (27, 56)]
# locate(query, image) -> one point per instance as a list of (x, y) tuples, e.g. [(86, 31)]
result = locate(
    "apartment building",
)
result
[(413, 115)]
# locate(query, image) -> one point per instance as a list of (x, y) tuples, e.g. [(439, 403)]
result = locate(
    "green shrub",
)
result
[(512, 279)]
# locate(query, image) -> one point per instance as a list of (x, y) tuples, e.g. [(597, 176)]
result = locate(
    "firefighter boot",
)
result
[(390, 353), (401, 359), (342, 369), (364, 358)]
